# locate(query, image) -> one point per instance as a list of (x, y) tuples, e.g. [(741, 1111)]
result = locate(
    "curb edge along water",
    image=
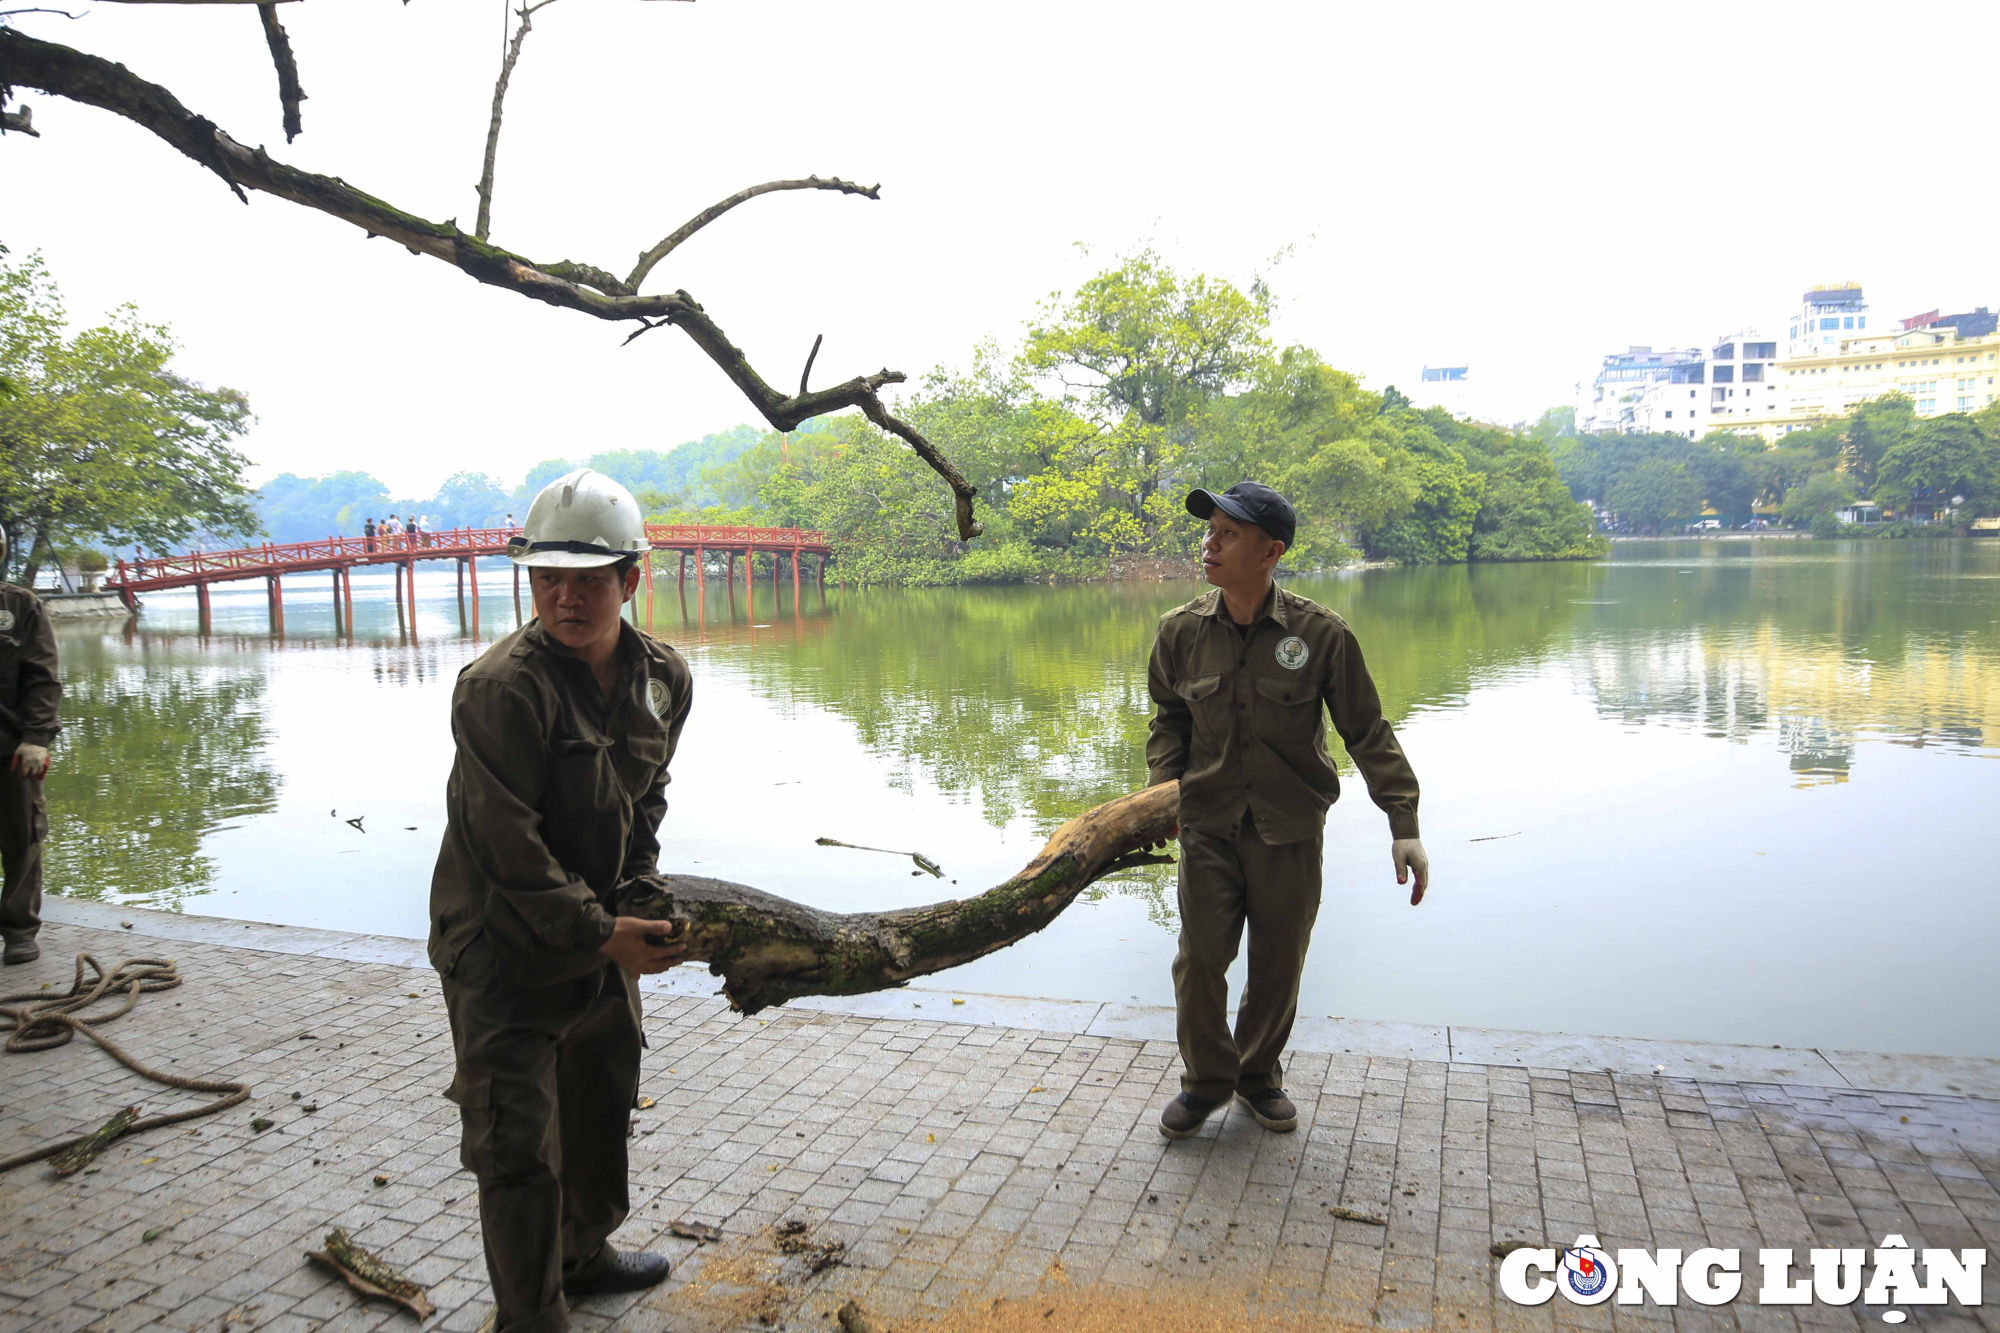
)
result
[(1935, 1075)]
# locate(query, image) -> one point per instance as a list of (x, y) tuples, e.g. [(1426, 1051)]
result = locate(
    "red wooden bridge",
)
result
[(341, 555)]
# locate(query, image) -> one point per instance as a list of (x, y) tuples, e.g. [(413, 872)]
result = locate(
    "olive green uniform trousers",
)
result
[(546, 1081), (1226, 884), (24, 823)]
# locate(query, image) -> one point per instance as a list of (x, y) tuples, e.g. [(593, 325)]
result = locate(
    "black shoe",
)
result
[(1185, 1116), (21, 951), (635, 1271), (1273, 1109)]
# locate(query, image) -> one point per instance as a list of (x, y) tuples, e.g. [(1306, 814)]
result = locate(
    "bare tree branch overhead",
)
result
[(714, 211), (80, 77), (289, 92), (483, 226)]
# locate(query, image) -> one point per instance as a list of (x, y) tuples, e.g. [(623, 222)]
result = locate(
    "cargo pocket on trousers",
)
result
[(475, 1117)]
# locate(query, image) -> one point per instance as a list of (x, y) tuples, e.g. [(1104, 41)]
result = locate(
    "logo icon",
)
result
[(656, 696), (1586, 1272), (6, 618), (1292, 652)]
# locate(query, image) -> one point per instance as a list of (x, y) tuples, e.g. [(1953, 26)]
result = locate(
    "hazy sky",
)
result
[(1522, 186)]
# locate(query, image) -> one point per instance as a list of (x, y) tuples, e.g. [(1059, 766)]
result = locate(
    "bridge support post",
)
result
[(517, 594), (472, 574), (795, 578), (347, 595), (410, 571), (750, 579), (277, 601), (398, 581), (460, 562), (339, 625), (201, 601)]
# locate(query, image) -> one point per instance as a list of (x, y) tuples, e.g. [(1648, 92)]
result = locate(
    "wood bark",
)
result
[(768, 950), (65, 72)]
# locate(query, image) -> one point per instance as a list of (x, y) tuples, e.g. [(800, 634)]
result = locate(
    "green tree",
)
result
[(468, 500), (302, 509), (103, 438), (1654, 493), (1943, 457), (1872, 430), (1814, 500)]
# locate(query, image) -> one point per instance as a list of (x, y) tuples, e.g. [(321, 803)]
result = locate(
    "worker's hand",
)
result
[(30, 761), (628, 948), (1408, 854)]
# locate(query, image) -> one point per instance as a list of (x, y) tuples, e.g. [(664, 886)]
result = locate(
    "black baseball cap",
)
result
[(1249, 502)]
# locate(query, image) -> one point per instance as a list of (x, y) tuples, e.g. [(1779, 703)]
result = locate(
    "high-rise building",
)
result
[(1827, 314)]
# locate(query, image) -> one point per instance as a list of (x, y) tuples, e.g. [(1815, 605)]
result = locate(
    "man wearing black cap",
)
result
[(1243, 679)]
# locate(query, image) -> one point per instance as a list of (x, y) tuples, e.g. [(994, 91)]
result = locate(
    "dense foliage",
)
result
[(101, 439), (1882, 450), (1140, 385)]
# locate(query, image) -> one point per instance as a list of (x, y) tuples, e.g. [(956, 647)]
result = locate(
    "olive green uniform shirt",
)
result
[(1240, 719), (555, 798), (30, 690)]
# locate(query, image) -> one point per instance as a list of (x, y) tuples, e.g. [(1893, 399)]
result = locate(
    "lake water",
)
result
[(1728, 791)]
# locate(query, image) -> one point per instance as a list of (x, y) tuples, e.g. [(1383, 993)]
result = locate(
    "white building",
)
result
[(1828, 315), (1632, 388), (1443, 386)]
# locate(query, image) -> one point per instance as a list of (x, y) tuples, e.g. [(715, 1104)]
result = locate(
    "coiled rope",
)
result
[(54, 1020)]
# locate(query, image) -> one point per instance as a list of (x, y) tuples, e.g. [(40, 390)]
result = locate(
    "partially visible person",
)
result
[(368, 536), (29, 694)]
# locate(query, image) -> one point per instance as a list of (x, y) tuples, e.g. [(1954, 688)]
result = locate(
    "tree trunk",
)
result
[(768, 950), (36, 554)]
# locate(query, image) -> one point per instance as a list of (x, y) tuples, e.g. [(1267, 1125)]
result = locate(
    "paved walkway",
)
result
[(959, 1163)]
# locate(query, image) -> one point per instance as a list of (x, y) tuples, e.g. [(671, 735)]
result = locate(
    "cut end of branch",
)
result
[(19, 122)]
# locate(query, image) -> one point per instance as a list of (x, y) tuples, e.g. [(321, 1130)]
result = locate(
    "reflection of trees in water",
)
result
[(1817, 652), (155, 755), (1034, 699)]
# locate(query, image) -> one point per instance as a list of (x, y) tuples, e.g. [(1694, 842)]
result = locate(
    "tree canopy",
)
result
[(1125, 394), (102, 439)]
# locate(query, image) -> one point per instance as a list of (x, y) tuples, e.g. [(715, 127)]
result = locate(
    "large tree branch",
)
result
[(29, 62), (483, 226), (768, 950), (289, 92), (714, 211)]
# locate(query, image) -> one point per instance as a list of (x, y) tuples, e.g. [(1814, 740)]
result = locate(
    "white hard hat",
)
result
[(578, 521)]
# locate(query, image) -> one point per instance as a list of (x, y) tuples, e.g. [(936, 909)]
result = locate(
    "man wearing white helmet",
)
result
[(564, 732)]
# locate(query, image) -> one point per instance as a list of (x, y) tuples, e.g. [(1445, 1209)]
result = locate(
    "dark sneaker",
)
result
[(625, 1272), (22, 951), (1273, 1109), (1185, 1116)]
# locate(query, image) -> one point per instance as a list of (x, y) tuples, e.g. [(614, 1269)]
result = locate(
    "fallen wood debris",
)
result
[(85, 1149), (368, 1275), (695, 1231), (820, 1254), (1350, 1215)]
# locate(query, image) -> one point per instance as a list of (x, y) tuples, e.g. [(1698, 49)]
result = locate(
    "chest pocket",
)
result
[(1200, 695), (640, 759), (582, 777), (1287, 712)]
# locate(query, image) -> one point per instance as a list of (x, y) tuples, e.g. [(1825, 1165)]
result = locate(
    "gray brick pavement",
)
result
[(959, 1163)]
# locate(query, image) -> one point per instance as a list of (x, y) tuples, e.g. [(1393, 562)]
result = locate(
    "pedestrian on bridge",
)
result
[(564, 731), (368, 536), (1242, 679), (29, 693)]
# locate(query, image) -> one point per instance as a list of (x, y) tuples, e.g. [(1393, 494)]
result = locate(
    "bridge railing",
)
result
[(277, 557)]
